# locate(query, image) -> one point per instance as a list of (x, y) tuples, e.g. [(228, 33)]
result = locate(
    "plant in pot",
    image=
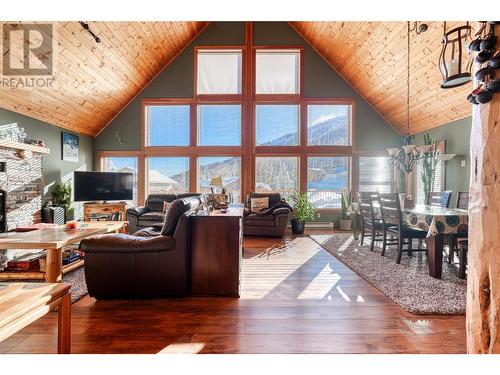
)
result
[(61, 196), (429, 164), (303, 210), (345, 223)]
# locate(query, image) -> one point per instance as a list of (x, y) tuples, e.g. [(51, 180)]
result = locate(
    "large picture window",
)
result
[(219, 72), (228, 167), (126, 165), (249, 109), (277, 71), (375, 174), (327, 176), (167, 175), (277, 125), (277, 174), (219, 125), (167, 125), (419, 185), (328, 125)]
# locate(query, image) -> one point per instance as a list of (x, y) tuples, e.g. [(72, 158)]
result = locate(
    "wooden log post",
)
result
[(483, 281)]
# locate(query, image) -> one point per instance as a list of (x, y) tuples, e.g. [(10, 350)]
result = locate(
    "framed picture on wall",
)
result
[(70, 146)]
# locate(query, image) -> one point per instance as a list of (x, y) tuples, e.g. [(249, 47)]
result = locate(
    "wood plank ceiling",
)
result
[(96, 81), (371, 56)]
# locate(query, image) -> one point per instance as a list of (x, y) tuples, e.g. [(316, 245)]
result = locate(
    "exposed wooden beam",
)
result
[(483, 281)]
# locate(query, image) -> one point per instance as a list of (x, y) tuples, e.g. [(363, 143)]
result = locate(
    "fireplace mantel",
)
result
[(23, 146)]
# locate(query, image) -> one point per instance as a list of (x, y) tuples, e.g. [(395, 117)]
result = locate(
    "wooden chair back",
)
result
[(390, 208), (440, 199), (463, 200), (365, 203)]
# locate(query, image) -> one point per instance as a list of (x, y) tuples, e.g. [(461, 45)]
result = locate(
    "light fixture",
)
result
[(87, 27), (408, 155), (455, 60), (446, 157)]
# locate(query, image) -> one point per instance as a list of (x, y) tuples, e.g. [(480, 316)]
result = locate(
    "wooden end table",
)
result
[(54, 239), (23, 303)]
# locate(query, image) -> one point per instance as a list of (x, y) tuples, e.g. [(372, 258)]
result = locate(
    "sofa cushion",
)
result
[(259, 204), (155, 201), (148, 232), (153, 216), (273, 198), (259, 221)]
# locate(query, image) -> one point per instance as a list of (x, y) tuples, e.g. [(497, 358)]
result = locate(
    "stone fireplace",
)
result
[(22, 182)]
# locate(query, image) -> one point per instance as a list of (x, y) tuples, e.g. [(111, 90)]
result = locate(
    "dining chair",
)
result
[(463, 247), (440, 199), (463, 200), (369, 223), (462, 203), (392, 220)]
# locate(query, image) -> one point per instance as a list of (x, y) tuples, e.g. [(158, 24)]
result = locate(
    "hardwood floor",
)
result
[(295, 299)]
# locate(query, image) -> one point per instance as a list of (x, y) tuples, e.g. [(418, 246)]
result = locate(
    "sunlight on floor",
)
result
[(263, 274), (319, 287), (345, 244), (182, 348), (343, 294)]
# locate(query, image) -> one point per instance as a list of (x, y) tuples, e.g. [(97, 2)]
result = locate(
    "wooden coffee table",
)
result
[(23, 303), (54, 239)]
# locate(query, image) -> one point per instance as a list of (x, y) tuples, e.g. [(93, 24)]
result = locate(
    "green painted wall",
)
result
[(177, 81), (53, 167), (457, 137)]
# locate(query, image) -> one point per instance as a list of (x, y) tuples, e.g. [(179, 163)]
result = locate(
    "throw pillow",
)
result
[(259, 204), (166, 205)]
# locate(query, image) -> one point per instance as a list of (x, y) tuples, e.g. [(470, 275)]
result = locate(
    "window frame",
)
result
[(279, 156), (160, 103), (146, 170), (247, 151), (279, 97), (222, 97), (215, 103), (276, 103)]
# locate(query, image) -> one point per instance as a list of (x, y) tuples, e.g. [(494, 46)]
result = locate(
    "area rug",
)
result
[(78, 285), (408, 284)]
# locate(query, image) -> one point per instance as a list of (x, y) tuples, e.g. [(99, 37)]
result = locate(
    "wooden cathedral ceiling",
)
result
[(372, 57), (96, 81)]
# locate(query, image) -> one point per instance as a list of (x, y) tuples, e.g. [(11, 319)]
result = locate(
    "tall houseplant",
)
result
[(61, 196), (303, 210), (429, 163), (346, 222)]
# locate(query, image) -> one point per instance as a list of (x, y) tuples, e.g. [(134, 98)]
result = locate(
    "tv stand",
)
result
[(104, 208)]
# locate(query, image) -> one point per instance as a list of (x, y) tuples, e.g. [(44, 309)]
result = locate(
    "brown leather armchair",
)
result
[(151, 213), (153, 262), (271, 222)]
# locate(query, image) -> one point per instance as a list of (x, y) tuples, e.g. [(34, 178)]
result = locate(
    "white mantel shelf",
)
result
[(23, 146)]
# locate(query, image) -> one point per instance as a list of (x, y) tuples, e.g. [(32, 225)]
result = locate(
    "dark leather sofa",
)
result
[(153, 262), (270, 222), (151, 213)]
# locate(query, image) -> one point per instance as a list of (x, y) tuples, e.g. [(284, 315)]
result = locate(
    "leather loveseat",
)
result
[(151, 213), (153, 262), (270, 222)]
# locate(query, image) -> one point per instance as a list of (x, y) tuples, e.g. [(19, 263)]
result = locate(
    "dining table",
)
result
[(439, 222)]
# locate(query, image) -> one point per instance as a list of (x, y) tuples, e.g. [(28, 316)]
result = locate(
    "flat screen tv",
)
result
[(103, 186)]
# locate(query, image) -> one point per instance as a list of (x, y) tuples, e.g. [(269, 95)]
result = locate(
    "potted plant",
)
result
[(303, 210), (61, 196), (429, 165), (345, 223)]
